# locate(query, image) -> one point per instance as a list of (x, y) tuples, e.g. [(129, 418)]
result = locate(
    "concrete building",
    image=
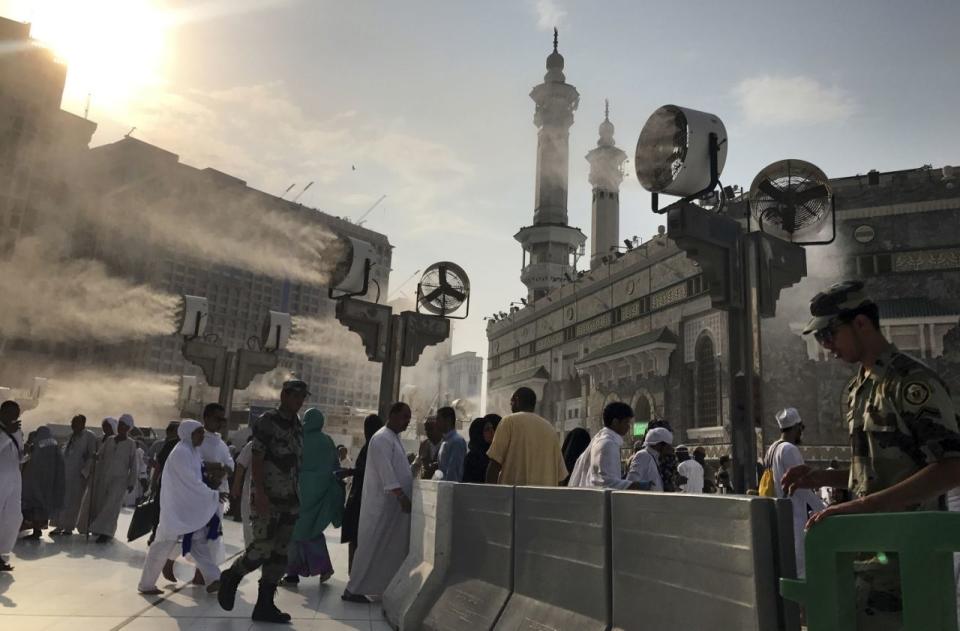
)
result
[(131, 175), (461, 382), (39, 146), (639, 325)]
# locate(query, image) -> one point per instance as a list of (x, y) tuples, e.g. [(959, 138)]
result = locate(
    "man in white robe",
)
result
[(241, 490), (781, 456), (11, 483), (691, 472), (187, 506), (384, 533), (599, 466), (645, 466), (79, 455), (115, 475)]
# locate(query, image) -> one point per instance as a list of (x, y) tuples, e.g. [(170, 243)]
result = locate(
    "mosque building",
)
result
[(638, 325)]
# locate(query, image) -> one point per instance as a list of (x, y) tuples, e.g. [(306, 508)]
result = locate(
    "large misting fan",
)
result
[(443, 289), (791, 196)]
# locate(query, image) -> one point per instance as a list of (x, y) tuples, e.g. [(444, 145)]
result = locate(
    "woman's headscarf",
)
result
[(112, 422), (476, 435), (371, 425), (186, 429), (127, 420), (321, 494), (44, 438), (574, 445)]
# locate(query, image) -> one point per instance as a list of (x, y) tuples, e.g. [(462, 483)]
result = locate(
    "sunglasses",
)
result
[(827, 333)]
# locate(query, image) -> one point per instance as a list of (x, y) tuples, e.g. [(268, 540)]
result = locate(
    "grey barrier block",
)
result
[(695, 562), (561, 561), (419, 580), (480, 571)]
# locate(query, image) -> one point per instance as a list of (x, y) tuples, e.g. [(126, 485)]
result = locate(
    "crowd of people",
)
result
[(290, 481)]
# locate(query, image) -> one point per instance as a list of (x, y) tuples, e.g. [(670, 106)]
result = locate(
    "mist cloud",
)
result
[(96, 394), (53, 299)]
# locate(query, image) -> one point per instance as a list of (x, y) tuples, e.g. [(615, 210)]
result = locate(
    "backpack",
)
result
[(767, 483)]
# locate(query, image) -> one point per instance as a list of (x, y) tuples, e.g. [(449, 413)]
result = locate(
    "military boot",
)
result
[(265, 610), (229, 580)]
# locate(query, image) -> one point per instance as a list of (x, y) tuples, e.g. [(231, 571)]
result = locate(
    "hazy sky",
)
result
[(429, 100)]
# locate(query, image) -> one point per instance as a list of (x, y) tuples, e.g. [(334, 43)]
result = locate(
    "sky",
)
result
[(427, 102)]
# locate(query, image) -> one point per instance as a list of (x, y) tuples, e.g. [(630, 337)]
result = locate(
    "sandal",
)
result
[(354, 598)]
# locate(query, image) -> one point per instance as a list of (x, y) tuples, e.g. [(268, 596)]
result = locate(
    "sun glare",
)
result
[(115, 50)]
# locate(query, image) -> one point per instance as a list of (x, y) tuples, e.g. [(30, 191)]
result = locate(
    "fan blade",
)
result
[(456, 295), (811, 194), (433, 295), (775, 193)]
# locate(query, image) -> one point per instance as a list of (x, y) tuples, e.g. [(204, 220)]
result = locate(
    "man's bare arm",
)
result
[(493, 472)]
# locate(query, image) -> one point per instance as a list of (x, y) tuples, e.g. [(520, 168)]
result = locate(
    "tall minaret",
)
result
[(550, 242), (606, 174)]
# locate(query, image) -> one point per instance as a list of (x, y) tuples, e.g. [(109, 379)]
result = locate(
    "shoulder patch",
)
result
[(916, 393)]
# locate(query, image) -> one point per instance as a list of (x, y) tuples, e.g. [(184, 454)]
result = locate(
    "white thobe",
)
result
[(693, 472), (384, 531), (644, 469), (599, 465), (11, 485), (245, 460), (784, 456), (214, 449), (78, 457), (115, 472)]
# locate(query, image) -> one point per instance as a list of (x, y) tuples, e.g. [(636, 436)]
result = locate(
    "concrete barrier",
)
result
[(698, 561), (419, 581), (561, 561), (479, 575)]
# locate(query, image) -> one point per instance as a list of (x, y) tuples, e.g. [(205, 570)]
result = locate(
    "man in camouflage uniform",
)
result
[(275, 468), (904, 441)]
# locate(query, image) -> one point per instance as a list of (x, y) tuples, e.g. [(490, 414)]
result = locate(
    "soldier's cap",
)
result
[(296, 385), (839, 300)]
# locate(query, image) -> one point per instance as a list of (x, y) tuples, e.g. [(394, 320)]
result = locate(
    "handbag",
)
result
[(145, 517)]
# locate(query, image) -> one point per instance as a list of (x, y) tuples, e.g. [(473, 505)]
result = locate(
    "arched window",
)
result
[(641, 411), (708, 396)]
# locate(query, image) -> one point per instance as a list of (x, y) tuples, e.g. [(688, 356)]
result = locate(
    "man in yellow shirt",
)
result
[(525, 449)]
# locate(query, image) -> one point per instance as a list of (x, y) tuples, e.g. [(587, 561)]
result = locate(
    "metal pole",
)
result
[(392, 365), (744, 331), (226, 387)]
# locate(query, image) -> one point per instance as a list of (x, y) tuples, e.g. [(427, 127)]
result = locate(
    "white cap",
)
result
[(658, 435), (788, 417)]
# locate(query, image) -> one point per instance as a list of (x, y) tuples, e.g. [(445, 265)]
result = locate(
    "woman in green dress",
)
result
[(321, 503)]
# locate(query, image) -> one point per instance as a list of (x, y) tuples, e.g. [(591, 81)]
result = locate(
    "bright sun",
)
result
[(114, 49)]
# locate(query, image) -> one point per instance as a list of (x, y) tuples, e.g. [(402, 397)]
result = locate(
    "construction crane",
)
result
[(363, 217)]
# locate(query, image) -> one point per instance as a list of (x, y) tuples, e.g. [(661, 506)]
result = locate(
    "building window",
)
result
[(708, 395)]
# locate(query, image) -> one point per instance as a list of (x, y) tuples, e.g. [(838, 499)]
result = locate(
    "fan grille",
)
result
[(444, 288), (791, 195)]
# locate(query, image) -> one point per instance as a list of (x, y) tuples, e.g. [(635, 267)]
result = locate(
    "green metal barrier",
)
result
[(924, 543)]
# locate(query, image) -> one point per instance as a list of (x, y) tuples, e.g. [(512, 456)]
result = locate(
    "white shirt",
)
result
[(11, 454), (599, 465), (213, 449), (780, 458), (644, 469), (693, 472)]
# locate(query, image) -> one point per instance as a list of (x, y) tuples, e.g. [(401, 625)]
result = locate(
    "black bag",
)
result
[(145, 517)]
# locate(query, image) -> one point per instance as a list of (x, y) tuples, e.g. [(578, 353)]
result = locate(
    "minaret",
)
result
[(606, 174), (550, 242)]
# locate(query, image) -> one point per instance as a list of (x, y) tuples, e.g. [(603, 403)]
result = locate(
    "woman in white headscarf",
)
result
[(187, 508)]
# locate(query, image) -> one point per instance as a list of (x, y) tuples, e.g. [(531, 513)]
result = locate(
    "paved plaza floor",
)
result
[(66, 584)]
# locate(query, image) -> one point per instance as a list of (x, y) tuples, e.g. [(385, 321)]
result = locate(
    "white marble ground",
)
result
[(66, 584)]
